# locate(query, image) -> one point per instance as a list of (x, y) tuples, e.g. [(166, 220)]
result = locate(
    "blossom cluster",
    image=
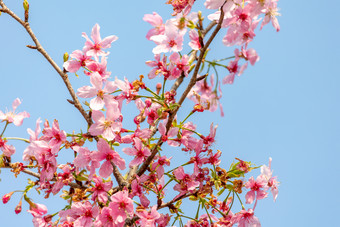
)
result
[(93, 197)]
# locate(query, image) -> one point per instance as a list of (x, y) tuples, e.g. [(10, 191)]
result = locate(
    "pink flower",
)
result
[(63, 178), (106, 153), (138, 190), (107, 127), (172, 40), (155, 20), (267, 173), (256, 188), (179, 65), (121, 206), (173, 131), (29, 151), (100, 68), (139, 152), (246, 219), (83, 159), (40, 221), (127, 88), (54, 135), (210, 139), (105, 218), (148, 218), (81, 60), (12, 117), (102, 94), (8, 150), (181, 5), (187, 182), (160, 67), (271, 13), (100, 190), (249, 55), (85, 212), (95, 48), (194, 40), (37, 209), (159, 165)]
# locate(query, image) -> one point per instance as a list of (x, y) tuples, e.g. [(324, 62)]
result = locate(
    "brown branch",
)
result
[(180, 79), (39, 48), (130, 221), (192, 82), (119, 178), (37, 175)]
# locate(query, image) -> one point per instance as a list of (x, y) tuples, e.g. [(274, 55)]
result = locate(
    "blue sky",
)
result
[(285, 107)]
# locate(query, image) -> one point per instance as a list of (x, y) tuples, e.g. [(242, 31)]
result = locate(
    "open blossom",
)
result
[(109, 155), (270, 10), (172, 40), (273, 184), (148, 218), (194, 40), (256, 187), (12, 117), (84, 158), (54, 135), (101, 94), (187, 182), (63, 178), (94, 48), (160, 67), (100, 190), (181, 5), (179, 65), (100, 68), (37, 209), (109, 125), (204, 94), (155, 20), (121, 206), (81, 213), (81, 59), (246, 218), (173, 131), (139, 151), (105, 218), (8, 150)]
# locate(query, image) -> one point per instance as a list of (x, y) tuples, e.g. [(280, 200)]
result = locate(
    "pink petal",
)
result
[(95, 35)]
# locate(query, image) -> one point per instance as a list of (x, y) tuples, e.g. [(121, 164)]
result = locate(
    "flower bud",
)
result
[(65, 57), (18, 208), (7, 197), (158, 88), (26, 5)]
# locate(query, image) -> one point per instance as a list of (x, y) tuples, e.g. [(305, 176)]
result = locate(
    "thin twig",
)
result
[(37, 175), (192, 82), (39, 48)]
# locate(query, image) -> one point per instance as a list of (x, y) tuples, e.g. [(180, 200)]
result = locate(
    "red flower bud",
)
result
[(18, 208), (7, 197)]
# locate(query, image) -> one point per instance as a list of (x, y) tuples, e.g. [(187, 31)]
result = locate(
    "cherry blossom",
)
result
[(109, 125), (95, 48), (12, 117)]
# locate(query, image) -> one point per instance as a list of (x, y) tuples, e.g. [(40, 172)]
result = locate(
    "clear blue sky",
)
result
[(286, 107)]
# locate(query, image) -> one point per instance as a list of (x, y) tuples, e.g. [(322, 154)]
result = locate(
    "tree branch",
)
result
[(37, 175), (39, 48)]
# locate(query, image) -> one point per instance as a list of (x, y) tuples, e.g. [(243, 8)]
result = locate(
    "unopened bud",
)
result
[(199, 15), (158, 88), (7, 197), (18, 208), (65, 57), (26, 5)]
